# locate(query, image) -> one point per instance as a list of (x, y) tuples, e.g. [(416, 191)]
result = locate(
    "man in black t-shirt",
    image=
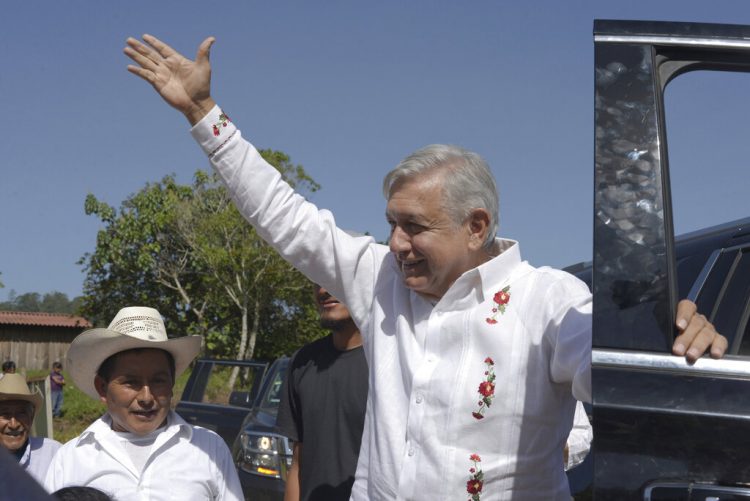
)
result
[(322, 407)]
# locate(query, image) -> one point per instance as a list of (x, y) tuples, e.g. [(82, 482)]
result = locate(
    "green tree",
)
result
[(139, 261), (30, 301), (50, 302), (245, 272), (187, 251)]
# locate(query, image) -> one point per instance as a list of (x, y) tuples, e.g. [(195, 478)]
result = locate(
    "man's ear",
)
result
[(101, 387), (478, 226)]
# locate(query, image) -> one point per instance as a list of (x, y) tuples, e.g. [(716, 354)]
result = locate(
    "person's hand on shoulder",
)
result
[(697, 334), (184, 84)]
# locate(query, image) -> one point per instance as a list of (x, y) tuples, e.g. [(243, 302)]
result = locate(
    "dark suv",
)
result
[(261, 454), (663, 429)]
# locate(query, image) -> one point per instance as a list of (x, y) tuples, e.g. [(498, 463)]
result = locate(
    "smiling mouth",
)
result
[(14, 433), (145, 414), (328, 301), (409, 266)]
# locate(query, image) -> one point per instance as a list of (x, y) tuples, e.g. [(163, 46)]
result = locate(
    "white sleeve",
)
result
[(304, 235), (579, 440), (571, 359)]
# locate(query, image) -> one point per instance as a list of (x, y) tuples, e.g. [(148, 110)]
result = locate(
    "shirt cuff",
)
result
[(213, 131)]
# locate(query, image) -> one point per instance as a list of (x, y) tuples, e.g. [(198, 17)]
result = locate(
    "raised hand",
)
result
[(184, 84)]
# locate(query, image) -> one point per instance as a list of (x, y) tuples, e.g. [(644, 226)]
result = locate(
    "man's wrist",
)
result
[(200, 109)]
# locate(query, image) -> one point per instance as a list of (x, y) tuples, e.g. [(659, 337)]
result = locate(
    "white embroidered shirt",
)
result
[(470, 398)]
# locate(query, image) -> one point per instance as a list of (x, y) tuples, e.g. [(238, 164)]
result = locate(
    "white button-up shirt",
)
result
[(37, 457), (186, 463), (470, 398)]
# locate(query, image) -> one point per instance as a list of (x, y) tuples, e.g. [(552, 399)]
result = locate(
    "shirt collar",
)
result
[(102, 428), (23, 458), (499, 269), (476, 284)]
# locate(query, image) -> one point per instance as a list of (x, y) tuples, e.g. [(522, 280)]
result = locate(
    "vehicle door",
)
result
[(663, 429)]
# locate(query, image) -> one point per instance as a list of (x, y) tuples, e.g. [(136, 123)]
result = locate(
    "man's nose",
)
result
[(400, 241), (145, 397)]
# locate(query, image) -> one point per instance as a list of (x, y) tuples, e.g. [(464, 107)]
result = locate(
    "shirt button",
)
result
[(419, 399), (411, 452)]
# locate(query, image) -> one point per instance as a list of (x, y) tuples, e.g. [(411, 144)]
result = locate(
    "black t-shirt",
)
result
[(323, 407)]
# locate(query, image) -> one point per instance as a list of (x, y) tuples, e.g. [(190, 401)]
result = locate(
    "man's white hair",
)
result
[(467, 182)]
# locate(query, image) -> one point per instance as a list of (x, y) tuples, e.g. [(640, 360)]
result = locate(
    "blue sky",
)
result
[(347, 89)]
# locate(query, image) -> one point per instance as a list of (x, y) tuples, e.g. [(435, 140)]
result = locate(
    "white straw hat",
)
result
[(14, 387), (133, 327)]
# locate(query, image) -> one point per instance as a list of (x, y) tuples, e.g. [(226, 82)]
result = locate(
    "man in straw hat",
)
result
[(140, 448), (18, 406)]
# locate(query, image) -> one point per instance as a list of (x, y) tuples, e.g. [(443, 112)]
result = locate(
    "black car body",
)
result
[(707, 262), (207, 401), (262, 455), (663, 429)]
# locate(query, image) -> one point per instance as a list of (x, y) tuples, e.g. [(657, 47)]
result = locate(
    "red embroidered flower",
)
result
[(501, 299), (486, 389), (222, 122), (476, 480), (474, 486)]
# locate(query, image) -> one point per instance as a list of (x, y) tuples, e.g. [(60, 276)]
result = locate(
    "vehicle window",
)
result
[(715, 283), (708, 150), (730, 312), (688, 270), (744, 348), (272, 396), (706, 115), (725, 297), (223, 380)]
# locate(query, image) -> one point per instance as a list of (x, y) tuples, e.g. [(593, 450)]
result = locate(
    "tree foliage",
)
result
[(186, 250), (50, 302)]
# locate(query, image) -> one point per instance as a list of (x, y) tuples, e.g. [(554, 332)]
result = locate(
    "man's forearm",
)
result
[(291, 491)]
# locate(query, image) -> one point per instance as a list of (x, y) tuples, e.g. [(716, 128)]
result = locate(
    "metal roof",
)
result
[(43, 319)]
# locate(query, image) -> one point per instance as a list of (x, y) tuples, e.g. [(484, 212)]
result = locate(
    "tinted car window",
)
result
[(730, 312), (272, 395), (725, 294), (688, 269), (715, 282)]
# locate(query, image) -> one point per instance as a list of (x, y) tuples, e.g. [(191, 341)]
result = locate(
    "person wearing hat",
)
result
[(17, 409), (140, 448)]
